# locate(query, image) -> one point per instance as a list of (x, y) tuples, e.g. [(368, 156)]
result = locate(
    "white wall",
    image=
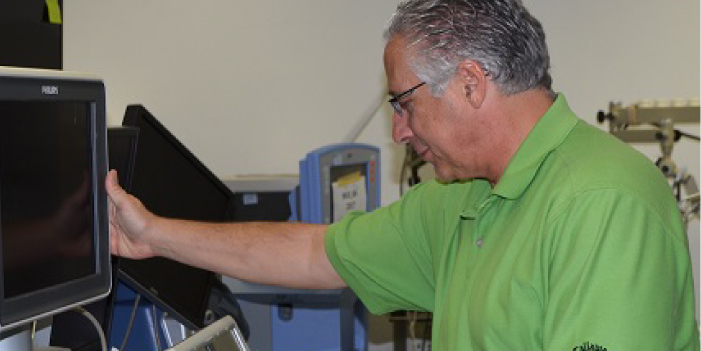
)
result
[(248, 86), (251, 86)]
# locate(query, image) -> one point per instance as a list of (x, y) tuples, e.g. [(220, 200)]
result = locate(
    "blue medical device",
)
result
[(321, 168), (323, 200), (296, 319)]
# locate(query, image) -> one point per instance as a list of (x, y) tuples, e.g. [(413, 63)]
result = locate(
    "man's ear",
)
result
[(474, 81)]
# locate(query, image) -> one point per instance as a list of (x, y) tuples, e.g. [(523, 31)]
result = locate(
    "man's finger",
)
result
[(112, 185)]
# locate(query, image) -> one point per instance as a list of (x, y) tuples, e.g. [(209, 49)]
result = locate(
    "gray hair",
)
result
[(500, 35)]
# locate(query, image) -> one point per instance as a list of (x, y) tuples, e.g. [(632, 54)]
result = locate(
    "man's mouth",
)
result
[(423, 153)]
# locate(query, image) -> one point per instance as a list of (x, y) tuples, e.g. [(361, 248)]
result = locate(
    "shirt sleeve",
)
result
[(384, 257), (619, 277)]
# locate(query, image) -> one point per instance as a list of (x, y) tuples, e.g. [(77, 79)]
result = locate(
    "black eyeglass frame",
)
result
[(394, 101)]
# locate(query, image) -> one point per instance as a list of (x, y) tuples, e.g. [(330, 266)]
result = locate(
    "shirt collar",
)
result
[(478, 193), (546, 135)]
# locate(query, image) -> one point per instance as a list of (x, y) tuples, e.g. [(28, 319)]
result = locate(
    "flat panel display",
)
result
[(172, 182), (54, 230)]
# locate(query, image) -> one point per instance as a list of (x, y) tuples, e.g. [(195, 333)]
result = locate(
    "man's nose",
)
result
[(400, 129)]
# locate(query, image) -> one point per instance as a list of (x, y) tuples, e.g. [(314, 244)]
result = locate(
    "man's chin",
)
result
[(447, 176), (443, 176)]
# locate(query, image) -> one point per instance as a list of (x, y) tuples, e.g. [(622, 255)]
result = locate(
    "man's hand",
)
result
[(129, 222)]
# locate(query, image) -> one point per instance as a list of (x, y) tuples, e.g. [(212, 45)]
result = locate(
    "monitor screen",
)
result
[(53, 208), (172, 182), (46, 208)]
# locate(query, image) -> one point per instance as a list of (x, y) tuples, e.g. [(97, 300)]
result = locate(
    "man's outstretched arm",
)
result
[(275, 253)]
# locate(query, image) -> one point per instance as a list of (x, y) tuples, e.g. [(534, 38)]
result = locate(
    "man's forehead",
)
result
[(395, 49), (397, 67)]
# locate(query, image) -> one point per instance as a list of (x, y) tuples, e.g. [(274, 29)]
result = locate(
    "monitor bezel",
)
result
[(132, 135), (56, 86)]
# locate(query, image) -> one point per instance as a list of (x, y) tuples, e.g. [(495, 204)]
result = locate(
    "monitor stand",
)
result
[(20, 339)]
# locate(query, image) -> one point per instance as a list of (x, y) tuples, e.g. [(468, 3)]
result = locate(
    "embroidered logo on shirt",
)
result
[(589, 347)]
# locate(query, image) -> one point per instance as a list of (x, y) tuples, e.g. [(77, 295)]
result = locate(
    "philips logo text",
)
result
[(49, 90)]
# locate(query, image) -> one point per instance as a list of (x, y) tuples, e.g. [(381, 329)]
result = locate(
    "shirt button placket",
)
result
[(483, 212)]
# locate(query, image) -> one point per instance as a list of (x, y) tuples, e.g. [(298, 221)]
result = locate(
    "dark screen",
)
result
[(172, 182), (45, 187)]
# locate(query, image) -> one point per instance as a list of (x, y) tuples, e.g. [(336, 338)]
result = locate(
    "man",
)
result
[(542, 233)]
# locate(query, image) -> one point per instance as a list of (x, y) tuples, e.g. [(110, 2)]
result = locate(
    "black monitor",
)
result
[(171, 182), (54, 226), (72, 330)]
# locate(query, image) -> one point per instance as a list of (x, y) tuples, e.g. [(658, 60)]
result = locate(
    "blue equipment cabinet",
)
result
[(291, 319)]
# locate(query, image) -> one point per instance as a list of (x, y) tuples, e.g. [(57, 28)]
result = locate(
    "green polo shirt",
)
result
[(579, 245)]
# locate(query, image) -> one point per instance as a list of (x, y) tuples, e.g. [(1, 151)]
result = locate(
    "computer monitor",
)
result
[(72, 330), (170, 181), (54, 222)]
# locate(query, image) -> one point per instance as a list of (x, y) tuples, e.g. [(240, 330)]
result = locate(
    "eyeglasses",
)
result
[(395, 100)]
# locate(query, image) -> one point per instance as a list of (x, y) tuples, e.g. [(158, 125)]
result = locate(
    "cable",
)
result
[(34, 330), (155, 328), (678, 134), (95, 323), (131, 322), (412, 327), (365, 120)]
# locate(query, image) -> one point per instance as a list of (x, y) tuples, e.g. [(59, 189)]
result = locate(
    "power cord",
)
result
[(155, 328), (95, 323), (131, 322), (413, 318), (131, 325), (34, 330)]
